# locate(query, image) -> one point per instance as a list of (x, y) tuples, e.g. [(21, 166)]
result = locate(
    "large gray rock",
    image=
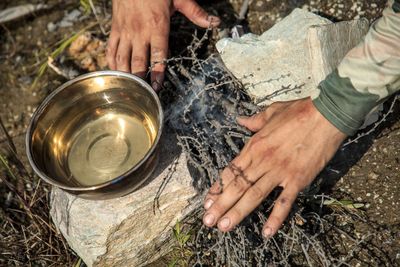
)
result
[(288, 61), (128, 231)]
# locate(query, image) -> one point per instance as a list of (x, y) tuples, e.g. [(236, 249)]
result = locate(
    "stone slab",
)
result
[(125, 231), (288, 61)]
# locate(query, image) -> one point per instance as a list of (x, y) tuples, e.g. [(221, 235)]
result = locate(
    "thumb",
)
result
[(253, 123), (196, 13)]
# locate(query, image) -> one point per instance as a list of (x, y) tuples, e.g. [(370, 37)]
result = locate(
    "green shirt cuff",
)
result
[(335, 116), (341, 104)]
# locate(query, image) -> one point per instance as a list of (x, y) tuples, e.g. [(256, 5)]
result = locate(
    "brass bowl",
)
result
[(96, 135)]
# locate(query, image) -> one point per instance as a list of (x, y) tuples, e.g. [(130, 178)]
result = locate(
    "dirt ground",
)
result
[(366, 173)]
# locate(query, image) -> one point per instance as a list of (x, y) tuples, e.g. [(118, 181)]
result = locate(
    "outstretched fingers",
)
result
[(231, 194), (241, 162), (242, 191), (281, 210), (247, 203)]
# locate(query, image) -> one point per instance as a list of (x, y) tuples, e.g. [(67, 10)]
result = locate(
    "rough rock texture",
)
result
[(328, 45), (288, 61), (125, 231)]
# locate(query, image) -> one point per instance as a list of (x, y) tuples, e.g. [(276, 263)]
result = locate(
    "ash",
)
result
[(202, 100), (207, 101)]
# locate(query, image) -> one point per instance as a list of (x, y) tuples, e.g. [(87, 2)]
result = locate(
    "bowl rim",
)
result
[(41, 108)]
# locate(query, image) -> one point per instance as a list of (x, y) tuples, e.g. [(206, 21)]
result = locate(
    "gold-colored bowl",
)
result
[(96, 135)]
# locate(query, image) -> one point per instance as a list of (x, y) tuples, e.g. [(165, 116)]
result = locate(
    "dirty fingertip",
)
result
[(267, 232), (157, 80), (209, 219), (156, 86), (224, 224)]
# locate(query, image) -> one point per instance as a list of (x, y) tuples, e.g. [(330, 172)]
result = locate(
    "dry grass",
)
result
[(27, 234)]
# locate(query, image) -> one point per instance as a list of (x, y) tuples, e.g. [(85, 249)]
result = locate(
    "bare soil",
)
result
[(366, 173)]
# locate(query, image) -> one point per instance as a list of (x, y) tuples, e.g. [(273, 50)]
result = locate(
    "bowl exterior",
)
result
[(121, 185)]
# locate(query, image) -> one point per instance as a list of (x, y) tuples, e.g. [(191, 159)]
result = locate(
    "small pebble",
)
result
[(51, 27)]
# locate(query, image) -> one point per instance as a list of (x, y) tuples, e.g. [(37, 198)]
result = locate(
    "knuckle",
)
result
[(115, 29), (256, 193), (285, 162), (217, 208), (239, 185), (254, 142), (215, 189), (158, 20), (127, 35), (237, 163), (121, 59), (138, 59), (284, 202), (269, 152), (138, 62), (227, 174)]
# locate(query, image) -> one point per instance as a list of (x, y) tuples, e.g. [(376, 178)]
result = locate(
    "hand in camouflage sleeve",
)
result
[(293, 141), (367, 75)]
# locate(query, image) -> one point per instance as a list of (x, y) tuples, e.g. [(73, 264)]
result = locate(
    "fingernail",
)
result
[(209, 219), (156, 86), (224, 223), (208, 204), (267, 232)]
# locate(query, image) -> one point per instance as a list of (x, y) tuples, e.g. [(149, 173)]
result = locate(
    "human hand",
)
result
[(142, 25), (292, 143)]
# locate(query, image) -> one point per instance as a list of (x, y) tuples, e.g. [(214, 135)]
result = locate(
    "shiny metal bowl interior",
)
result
[(96, 131)]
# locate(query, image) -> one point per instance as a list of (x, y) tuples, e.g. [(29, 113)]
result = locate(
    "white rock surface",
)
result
[(125, 231), (288, 61)]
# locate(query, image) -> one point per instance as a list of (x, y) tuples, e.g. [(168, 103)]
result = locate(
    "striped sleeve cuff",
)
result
[(341, 104)]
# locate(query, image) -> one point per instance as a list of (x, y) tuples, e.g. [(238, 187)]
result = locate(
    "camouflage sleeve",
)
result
[(368, 74)]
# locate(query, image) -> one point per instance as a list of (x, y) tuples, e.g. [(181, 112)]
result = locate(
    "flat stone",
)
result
[(288, 61), (132, 230)]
